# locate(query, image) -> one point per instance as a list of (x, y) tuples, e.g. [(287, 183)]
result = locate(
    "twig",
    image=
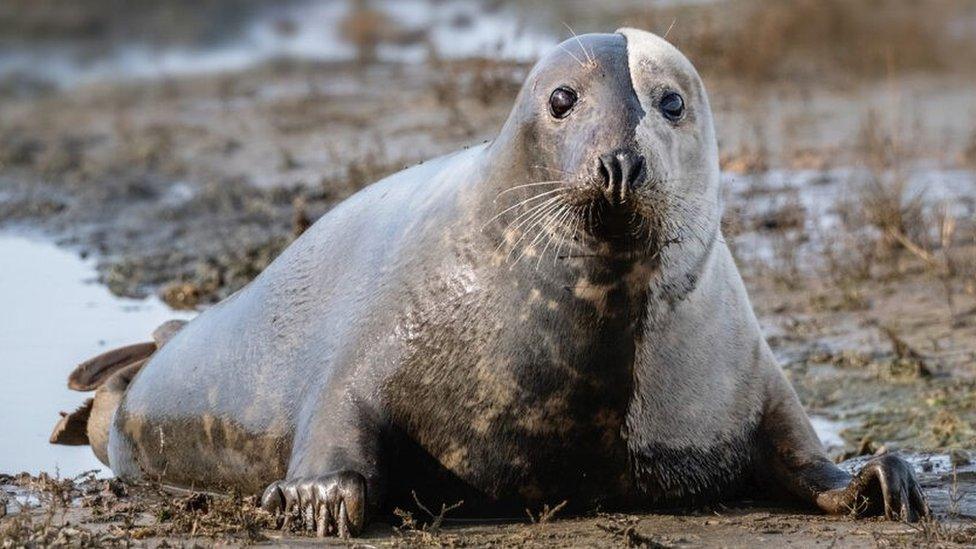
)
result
[(438, 519), (912, 247), (546, 514)]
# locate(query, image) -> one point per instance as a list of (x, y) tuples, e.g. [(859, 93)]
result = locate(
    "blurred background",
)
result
[(156, 155)]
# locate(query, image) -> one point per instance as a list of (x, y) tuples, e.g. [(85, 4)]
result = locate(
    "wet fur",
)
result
[(430, 336)]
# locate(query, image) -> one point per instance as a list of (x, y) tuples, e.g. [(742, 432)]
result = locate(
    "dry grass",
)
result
[(467, 86), (366, 28), (174, 21), (368, 165), (887, 221), (814, 39), (546, 514), (423, 531), (848, 259), (969, 154), (936, 533), (623, 531)]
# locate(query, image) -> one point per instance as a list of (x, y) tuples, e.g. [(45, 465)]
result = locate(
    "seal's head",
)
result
[(610, 147)]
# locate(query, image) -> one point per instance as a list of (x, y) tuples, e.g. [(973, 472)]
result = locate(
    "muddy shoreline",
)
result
[(172, 198), (85, 511), (851, 207)]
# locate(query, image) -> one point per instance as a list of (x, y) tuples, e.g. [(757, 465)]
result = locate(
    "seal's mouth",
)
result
[(613, 200), (605, 211)]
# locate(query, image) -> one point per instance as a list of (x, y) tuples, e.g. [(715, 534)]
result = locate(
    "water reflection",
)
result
[(317, 30), (53, 317)]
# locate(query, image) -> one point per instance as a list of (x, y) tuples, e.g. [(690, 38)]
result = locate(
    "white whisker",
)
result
[(524, 216), (573, 56), (550, 231), (516, 205), (572, 234), (545, 220), (538, 213), (589, 58), (536, 184), (667, 32)]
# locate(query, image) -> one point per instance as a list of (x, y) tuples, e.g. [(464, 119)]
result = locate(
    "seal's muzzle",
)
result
[(620, 172)]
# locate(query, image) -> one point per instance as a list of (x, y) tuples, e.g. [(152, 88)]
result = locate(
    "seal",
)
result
[(553, 315)]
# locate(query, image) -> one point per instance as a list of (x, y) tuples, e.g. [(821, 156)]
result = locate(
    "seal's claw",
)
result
[(272, 500), (918, 502), (333, 504)]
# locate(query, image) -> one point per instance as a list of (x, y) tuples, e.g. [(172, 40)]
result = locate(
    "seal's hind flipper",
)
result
[(89, 375), (92, 373), (72, 429), (110, 373), (167, 330)]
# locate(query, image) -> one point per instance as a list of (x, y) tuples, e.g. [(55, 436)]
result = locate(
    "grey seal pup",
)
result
[(553, 315)]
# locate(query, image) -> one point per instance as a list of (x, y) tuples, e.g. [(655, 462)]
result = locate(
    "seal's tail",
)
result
[(108, 374)]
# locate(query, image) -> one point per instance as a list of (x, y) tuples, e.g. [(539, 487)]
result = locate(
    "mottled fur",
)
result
[(485, 326)]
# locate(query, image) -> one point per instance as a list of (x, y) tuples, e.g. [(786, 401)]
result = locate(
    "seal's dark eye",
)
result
[(562, 101), (672, 106)]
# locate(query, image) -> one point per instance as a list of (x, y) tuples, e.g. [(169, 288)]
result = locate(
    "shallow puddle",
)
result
[(828, 430), (819, 196), (306, 29), (54, 316)]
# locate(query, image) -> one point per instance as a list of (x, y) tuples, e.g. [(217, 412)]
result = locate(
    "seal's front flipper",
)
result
[(334, 503), (886, 484), (794, 454), (334, 481)]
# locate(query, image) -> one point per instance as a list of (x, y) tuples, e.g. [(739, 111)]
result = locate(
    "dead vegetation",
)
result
[(969, 153), (888, 222), (818, 39), (937, 533), (623, 530), (547, 513), (899, 226), (369, 164), (424, 530), (892, 230), (89, 512)]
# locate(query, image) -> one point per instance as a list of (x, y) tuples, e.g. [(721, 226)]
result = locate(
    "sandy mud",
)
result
[(851, 200)]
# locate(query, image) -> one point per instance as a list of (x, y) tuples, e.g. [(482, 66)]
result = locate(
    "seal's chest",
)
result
[(542, 456), (529, 410), (514, 434)]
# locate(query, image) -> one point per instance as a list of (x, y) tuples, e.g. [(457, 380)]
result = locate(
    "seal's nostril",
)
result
[(621, 171), (638, 172), (603, 170)]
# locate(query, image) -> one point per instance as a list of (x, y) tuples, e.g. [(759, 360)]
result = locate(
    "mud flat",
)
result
[(851, 204), (85, 511)]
